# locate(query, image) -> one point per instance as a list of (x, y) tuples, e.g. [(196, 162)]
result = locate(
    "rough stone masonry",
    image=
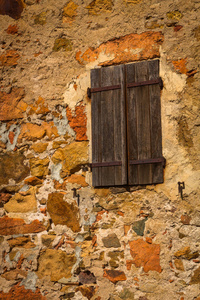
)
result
[(141, 244)]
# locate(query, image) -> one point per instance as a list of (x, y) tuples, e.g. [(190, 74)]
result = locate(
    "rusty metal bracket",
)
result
[(129, 85), (148, 82), (105, 164), (181, 187), (148, 161)]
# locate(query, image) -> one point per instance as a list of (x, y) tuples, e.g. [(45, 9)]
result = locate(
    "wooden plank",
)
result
[(107, 127), (132, 147), (143, 123), (155, 121), (96, 126)]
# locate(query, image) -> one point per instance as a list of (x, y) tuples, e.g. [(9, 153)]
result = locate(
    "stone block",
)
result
[(145, 255), (62, 212), (11, 105), (72, 157), (114, 275), (22, 202), (56, 264), (128, 48), (10, 226), (12, 167)]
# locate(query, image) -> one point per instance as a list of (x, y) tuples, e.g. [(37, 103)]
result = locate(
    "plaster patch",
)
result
[(62, 125), (30, 281), (174, 83), (55, 172), (76, 90)]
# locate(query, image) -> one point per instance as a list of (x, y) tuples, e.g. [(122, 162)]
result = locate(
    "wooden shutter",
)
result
[(126, 125), (109, 165), (145, 161)]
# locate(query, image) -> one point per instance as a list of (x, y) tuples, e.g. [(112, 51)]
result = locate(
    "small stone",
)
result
[(12, 8), (195, 279), (56, 264), (19, 292), (62, 43), (39, 167), (10, 226), (12, 29), (139, 226), (86, 277), (62, 212), (78, 179), (197, 33), (111, 241), (100, 6), (69, 12), (47, 240), (78, 122), (114, 261), (21, 241), (12, 167), (39, 147), (33, 181), (4, 198), (185, 252), (174, 15), (185, 219), (9, 58), (14, 275), (87, 291), (22, 202), (41, 18), (11, 104), (114, 275), (127, 294), (179, 264)]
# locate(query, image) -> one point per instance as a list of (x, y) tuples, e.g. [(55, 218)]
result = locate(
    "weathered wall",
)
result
[(142, 244)]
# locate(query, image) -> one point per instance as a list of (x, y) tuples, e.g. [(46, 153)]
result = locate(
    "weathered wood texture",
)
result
[(126, 125), (108, 127)]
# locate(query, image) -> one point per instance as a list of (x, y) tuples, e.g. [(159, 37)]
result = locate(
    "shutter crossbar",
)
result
[(106, 164), (148, 82), (148, 161), (129, 85)]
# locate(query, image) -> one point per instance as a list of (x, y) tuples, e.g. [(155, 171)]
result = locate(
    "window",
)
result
[(126, 125)]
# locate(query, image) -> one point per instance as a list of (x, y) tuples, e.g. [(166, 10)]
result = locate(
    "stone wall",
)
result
[(106, 243)]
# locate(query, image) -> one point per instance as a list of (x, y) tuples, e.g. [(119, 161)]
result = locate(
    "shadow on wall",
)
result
[(12, 8)]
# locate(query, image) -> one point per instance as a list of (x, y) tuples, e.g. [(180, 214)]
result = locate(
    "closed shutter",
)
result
[(144, 123), (126, 125), (109, 165)]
